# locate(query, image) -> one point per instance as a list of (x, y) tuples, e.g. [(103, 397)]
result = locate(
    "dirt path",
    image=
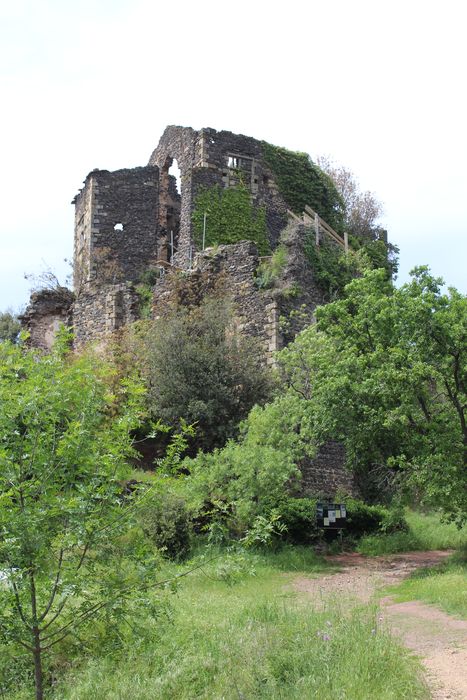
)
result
[(439, 639)]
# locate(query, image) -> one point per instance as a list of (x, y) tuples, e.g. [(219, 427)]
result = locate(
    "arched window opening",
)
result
[(169, 209)]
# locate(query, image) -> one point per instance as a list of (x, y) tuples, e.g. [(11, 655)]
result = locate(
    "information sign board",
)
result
[(331, 515)]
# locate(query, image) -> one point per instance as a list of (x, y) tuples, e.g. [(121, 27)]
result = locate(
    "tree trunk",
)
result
[(36, 636), (38, 680)]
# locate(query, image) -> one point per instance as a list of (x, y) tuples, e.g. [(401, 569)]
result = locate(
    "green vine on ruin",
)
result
[(301, 183), (230, 217)]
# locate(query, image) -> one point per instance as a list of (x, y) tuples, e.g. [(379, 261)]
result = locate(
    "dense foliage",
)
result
[(64, 427), (166, 520), (246, 478), (333, 269), (302, 183), (230, 218), (385, 372), (9, 327), (198, 369)]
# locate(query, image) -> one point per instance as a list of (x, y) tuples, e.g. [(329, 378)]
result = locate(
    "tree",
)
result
[(385, 372), (64, 436), (198, 368), (9, 327), (234, 483), (362, 209)]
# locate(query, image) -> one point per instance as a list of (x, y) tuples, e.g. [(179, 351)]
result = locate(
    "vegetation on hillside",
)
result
[(172, 582)]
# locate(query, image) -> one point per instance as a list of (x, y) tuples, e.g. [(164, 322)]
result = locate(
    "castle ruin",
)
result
[(133, 220)]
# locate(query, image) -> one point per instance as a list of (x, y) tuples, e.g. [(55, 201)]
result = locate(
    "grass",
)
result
[(444, 586), (426, 532), (237, 630)]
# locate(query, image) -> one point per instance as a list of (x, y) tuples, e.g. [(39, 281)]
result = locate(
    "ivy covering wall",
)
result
[(231, 217), (301, 182)]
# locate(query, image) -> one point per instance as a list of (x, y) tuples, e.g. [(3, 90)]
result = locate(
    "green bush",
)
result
[(166, 520), (270, 270), (363, 519), (299, 517), (394, 521)]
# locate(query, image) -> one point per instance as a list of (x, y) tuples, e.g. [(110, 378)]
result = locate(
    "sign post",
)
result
[(331, 516)]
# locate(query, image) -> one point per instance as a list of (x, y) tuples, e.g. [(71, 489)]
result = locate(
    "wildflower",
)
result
[(326, 637)]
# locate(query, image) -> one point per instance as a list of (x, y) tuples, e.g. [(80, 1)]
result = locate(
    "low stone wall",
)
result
[(98, 312), (48, 309)]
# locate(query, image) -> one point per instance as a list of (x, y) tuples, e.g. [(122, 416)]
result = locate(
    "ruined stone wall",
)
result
[(228, 271), (326, 474), (180, 144), (274, 315), (46, 312), (116, 226), (227, 154), (116, 239), (209, 157), (101, 310), (298, 293)]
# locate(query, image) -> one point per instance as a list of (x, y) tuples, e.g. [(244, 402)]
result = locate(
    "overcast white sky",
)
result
[(378, 85)]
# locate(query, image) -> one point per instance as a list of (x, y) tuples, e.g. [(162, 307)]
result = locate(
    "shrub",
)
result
[(363, 519), (265, 531), (198, 369), (166, 520), (270, 270), (394, 521), (299, 517)]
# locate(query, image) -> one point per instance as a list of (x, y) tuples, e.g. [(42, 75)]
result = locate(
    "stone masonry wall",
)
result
[(229, 271), (298, 293), (274, 315), (116, 226), (180, 144), (46, 312), (207, 158), (326, 473), (99, 311), (116, 239)]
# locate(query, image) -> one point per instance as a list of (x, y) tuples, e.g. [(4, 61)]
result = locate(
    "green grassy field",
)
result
[(444, 586), (426, 532), (237, 630)]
